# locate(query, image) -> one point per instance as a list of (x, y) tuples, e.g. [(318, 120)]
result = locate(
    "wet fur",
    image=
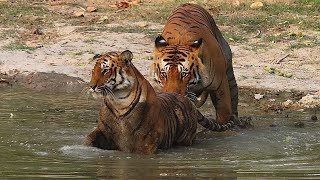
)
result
[(145, 121)]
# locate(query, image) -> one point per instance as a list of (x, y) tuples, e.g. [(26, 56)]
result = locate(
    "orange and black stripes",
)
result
[(191, 16), (182, 111), (191, 39), (134, 118), (212, 125)]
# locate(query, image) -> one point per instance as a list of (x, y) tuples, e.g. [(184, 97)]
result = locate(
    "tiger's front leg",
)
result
[(222, 102), (97, 139), (201, 99), (147, 144)]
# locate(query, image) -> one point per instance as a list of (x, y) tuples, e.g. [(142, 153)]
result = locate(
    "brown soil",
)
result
[(69, 52)]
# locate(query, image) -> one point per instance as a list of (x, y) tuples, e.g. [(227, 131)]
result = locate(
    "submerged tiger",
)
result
[(192, 58), (133, 117)]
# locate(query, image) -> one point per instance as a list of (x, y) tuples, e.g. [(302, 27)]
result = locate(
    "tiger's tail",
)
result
[(212, 125)]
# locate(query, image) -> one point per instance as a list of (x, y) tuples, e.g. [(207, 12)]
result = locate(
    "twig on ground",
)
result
[(258, 34), (279, 60)]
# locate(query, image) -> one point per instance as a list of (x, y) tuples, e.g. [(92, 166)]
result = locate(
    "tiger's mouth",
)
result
[(114, 91), (101, 91), (92, 92)]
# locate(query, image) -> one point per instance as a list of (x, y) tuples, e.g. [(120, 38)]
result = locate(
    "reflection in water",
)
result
[(41, 136)]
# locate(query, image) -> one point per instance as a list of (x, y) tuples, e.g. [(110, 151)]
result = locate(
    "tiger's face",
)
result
[(176, 67), (110, 75)]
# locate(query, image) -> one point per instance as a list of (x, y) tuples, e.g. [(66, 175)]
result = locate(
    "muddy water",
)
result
[(41, 137)]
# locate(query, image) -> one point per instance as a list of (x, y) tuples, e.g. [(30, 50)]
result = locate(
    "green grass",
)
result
[(304, 44), (295, 40), (234, 37), (243, 21), (151, 12), (302, 7), (18, 46), (90, 41), (274, 38), (79, 53), (151, 33), (19, 14), (9, 33), (134, 29), (303, 14)]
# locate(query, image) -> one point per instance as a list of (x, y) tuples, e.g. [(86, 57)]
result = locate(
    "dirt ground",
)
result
[(70, 52)]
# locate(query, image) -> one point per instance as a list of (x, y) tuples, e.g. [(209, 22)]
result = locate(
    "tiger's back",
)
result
[(182, 130)]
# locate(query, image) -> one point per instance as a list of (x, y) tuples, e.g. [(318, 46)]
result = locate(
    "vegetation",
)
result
[(17, 46), (273, 20), (25, 15)]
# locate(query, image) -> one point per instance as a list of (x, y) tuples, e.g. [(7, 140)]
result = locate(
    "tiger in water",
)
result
[(134, 118)]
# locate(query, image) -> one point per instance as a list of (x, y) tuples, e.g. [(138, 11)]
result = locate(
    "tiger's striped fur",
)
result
[(192, 57), (134, 118)]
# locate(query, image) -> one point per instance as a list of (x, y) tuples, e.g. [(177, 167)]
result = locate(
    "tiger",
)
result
[(192, 58), (136, 119)]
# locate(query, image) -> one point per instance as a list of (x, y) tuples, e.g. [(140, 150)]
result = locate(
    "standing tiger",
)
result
[(191, 57), (134, 118)]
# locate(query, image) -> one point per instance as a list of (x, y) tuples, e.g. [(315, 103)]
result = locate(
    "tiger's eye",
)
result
[(184, 74), (163, 74)]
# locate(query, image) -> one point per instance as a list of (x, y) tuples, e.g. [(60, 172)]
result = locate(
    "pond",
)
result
[(41, 136)]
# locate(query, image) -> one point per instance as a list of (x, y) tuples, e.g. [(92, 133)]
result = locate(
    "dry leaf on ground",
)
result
[(91, 9), (56, 3), (235, 3), (256, 5), (78, 13), (125, 4), (141, 24)]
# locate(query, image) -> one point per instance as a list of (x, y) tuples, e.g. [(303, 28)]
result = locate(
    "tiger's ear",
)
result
[(126, 56), (196, 43), (160, 42), (97, 56)]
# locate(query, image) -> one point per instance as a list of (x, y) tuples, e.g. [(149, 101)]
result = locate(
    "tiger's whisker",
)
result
[(105, 91), (85, 91), (111, 93)]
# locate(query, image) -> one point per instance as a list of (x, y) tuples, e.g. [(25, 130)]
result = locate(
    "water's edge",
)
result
[(47, 82)]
